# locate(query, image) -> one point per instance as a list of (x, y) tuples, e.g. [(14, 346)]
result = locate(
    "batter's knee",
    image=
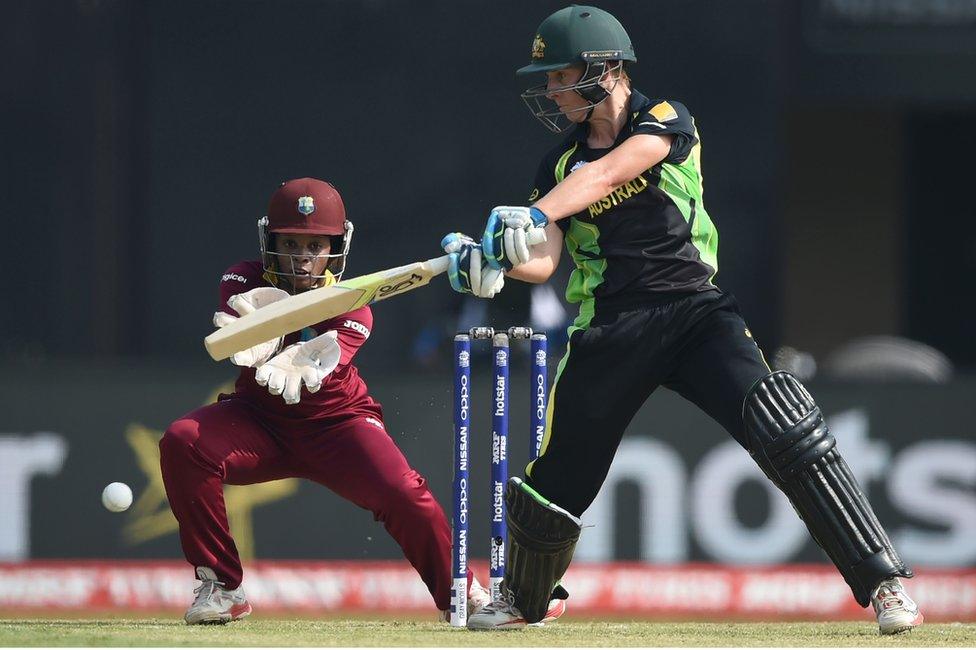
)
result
[(784, 427)]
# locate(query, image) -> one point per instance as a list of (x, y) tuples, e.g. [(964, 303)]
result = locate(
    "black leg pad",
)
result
[(790, 441), (541, 540)]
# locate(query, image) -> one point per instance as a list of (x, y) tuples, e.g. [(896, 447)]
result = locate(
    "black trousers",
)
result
[(698, 346)]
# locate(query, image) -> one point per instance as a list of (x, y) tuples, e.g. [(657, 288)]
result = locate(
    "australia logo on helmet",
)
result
[(538, 47), (306, 205)]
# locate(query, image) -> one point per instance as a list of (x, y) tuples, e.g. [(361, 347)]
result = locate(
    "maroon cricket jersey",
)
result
[(343, 393)]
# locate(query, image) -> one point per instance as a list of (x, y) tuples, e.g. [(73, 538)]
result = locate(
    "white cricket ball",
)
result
[(117, 497)]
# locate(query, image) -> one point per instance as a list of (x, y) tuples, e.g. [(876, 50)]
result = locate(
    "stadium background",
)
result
[(143, 139)]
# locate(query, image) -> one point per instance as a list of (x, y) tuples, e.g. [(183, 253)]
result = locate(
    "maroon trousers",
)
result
[(226, 443)]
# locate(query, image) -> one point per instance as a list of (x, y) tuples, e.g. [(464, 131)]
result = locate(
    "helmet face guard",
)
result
[(577, 34), (282, 266), (588, 87)]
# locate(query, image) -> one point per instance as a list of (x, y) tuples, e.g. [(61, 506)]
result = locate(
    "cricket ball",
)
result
[(117, 497)]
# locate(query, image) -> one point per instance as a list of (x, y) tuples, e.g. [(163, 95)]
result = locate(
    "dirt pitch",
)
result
[(284, 632)]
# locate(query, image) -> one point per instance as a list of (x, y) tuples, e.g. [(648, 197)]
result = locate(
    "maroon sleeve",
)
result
[(353, 329), (240, 278)]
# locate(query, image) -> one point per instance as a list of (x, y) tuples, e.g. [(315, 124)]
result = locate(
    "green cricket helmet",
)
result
[(575, 35)]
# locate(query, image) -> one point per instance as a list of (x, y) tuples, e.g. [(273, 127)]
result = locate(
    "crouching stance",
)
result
[(299, 409)]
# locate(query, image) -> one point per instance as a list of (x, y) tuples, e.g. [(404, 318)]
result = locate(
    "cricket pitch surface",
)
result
[(259, 631)]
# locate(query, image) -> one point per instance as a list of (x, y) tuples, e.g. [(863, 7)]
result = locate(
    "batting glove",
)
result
[(243, 304), (505, 242), (468, 270), (307, 363)]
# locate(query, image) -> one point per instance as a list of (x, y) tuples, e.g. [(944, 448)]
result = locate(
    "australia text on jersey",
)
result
[(619, 195)]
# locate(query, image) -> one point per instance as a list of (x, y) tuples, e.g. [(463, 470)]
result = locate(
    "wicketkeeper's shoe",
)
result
[(478, 597), (896, 612), (213, 603), (502, 614)]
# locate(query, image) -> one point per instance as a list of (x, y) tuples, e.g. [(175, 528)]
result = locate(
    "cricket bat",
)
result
[(306, 309)]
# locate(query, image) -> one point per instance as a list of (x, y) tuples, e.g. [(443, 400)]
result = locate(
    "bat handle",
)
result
[(439, 265)]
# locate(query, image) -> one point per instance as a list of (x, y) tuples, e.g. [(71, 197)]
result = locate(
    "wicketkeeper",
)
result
[(299, 409), (623, 192)]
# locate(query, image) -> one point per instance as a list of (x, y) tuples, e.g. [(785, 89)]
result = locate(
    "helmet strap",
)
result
[(593, 93)]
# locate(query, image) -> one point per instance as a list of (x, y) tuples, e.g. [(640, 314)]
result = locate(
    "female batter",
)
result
[(623, 192)]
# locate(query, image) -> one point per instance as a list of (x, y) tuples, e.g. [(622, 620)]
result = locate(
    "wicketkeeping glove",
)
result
[(505, 242), (243, 304), (306, 363), (468, 271)]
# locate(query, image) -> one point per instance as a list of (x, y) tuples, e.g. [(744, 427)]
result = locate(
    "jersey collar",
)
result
[(636, 103)]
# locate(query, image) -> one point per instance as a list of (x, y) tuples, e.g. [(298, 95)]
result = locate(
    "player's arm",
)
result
[(587, 185), (352, 330), (663, 133), (237, 299), (504, 241), (597, 179)]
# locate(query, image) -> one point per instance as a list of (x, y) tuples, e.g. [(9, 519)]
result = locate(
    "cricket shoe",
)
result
[(502, 614), (478, 597), (896, 612), (213, 603), (557, 607)]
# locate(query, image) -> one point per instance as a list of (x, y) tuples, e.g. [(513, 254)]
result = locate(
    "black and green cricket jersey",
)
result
[(650, 240)]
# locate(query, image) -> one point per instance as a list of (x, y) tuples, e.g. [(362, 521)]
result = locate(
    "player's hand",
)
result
[(243, 304), (505, 242), (468, 270), (307, 363)]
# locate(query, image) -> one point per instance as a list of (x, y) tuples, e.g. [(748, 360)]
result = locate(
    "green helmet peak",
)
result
[(578, 34)]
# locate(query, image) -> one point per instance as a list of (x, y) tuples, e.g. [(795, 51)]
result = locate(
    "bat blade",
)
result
[(306, 309)]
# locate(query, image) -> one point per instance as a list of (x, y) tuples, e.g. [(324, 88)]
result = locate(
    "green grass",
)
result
[(346, 632)]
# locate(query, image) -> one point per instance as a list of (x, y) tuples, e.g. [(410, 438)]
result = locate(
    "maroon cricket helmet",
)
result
[(307, 206)]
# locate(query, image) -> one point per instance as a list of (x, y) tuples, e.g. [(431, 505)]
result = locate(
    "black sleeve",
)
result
[(668, 118), (545, 180)]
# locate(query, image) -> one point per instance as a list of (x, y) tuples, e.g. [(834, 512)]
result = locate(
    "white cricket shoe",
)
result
[(478, 597), (502, 614), (896, 612), (213, 603)]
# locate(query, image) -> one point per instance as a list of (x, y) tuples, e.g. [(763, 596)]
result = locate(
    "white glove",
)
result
[(467, 270), (243, 304), (306, 363), (516, 246), (507, 235)]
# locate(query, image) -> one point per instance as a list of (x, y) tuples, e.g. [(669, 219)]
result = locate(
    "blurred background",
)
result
[(142, 141)]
